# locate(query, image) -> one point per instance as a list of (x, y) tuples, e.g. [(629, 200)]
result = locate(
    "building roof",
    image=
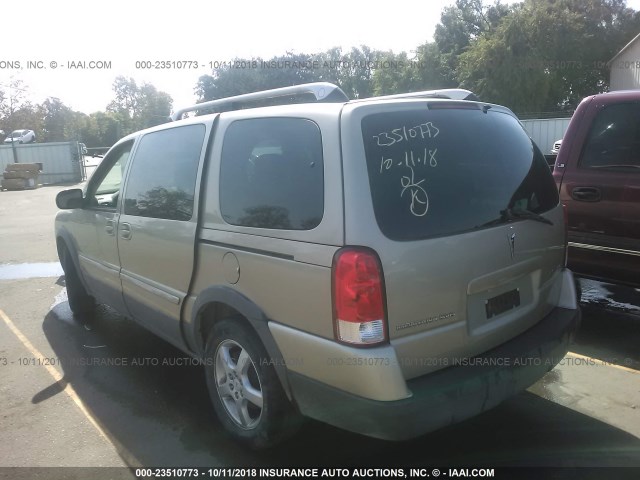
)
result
[(628, 45)]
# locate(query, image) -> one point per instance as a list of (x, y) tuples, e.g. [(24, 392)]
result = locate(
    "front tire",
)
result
[(80, 302), (244, 387)]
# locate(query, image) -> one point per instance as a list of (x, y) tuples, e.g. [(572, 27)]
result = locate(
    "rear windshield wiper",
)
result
[(512, 214)]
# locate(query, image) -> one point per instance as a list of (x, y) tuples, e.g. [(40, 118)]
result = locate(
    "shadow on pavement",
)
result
[(609, 332), (154, 406)]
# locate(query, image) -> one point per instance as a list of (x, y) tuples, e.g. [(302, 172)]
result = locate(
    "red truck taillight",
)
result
[(358, 297)]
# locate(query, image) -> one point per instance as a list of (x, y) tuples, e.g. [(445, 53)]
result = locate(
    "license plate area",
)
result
[(502, 303)]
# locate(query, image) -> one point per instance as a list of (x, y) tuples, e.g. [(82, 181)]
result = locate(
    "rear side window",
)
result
[(614, 139), (449, 170), (162, 181), (271, 174)]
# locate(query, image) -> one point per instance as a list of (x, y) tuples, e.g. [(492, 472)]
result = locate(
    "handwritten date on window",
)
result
[(412, 188)]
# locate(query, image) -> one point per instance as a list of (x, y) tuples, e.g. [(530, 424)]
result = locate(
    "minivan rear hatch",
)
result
[(461, 208)]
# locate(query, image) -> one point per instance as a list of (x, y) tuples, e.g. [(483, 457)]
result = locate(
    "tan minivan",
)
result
[(389, 265)]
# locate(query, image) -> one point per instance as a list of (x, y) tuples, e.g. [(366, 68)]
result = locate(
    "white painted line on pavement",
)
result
[(57, 376)]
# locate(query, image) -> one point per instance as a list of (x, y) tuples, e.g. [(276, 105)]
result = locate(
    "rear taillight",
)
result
[(358, 297), (566, 234)]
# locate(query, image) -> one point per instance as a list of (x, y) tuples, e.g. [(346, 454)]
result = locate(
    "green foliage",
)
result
[(134, 108), (535, 56), (352, 70), (138, 107), (12, 99), (460, 25), (15, 111), (57, 120), (100, 130), (255, 74), (547, 55), (424, 71)]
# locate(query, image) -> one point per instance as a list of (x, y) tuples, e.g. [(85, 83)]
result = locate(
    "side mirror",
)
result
[(68, 199)]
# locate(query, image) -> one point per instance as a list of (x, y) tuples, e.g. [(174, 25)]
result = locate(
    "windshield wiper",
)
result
[(512, 214), (521, 213)]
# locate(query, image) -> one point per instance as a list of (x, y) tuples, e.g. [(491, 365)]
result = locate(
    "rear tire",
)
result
[(80, 302), (244, 387)]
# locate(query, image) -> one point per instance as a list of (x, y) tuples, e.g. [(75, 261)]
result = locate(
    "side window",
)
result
[(104, 191), (614, 139), (162, 180), (271, 174)]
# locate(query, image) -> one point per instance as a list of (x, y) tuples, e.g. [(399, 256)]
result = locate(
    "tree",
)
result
[(12, 98), (25, 116), (57, 120), (460, 25), (127, 96), (16, 111), (154, 107), (255, 74), (496, 68), (546, 55), (352, 71), (422, 72), (138, 107), (101, 129)]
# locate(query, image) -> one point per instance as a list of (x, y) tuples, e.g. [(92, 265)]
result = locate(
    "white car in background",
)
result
[(21, 136)]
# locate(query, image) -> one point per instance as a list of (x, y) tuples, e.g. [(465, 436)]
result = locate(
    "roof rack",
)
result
[(322, 91), (451, 93)]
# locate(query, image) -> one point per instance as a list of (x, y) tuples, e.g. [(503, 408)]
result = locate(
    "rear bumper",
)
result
[(447, 396)]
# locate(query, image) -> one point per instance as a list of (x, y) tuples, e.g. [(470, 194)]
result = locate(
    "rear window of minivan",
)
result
[(451, 168)]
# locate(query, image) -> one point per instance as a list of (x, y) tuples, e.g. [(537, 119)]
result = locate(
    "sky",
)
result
[(52, 48)]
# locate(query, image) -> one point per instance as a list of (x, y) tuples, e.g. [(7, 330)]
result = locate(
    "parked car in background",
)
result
[(556, 147), (389, 265), (598, 175), (21, 136)]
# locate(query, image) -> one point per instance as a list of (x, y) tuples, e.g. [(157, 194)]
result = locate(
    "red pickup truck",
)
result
[(598, 174)]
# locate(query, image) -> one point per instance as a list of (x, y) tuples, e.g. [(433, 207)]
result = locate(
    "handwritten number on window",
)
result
[(423, 157)]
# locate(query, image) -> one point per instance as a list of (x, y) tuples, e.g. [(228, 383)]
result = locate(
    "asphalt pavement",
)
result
[(107, 393)]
